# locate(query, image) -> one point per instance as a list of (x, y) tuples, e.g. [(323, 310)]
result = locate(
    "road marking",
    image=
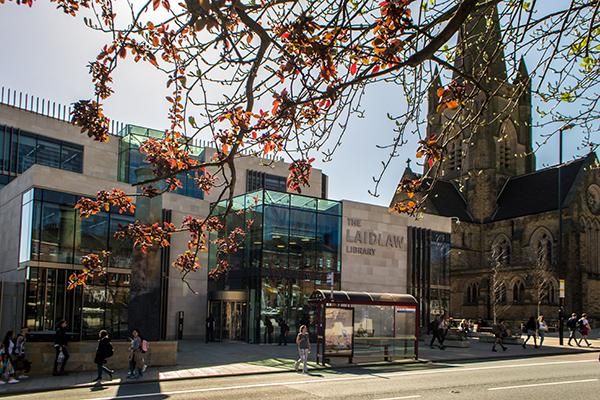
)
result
[(543, 384), (350, 378), (415, 396)]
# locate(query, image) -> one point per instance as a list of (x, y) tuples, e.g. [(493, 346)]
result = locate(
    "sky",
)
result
[(44, 53)]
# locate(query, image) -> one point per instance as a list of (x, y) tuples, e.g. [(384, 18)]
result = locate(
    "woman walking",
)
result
[(584, 329), (136, 356), (530, 328), (104, 351), (6, 365), (542, 329), (303, 343)]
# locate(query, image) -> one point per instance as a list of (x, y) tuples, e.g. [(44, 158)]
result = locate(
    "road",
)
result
[(576, 377)]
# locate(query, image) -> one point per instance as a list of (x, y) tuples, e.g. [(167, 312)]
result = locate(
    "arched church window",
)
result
[(518, 292), (472, 295), (501, 250)]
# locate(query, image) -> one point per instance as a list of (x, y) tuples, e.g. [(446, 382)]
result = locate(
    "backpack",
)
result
[(145, 346)]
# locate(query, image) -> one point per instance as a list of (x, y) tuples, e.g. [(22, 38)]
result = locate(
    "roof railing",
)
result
[(51, 109)]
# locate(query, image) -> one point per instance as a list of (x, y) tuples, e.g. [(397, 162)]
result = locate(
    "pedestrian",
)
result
[(542, 329), (283, 332), (584, 329), (136, 356), (530, 328), (104, 351), (8, 370), (500, 332), (22, 364), (303, 342), (439, 330), (464, 328), (210, 328), (62, 352), (268, 330), (572, 326)]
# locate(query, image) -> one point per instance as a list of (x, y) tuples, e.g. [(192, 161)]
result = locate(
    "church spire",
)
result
[(432, 97), (480, 52)]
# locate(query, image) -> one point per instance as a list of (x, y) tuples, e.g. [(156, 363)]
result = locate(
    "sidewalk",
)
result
[(200, 360)]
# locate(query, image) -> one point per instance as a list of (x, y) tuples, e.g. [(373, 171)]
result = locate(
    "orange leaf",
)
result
[(452, 104), (353, 69), (155, 4), (440, 92)]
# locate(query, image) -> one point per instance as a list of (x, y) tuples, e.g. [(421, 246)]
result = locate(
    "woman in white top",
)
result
[(542, 329)]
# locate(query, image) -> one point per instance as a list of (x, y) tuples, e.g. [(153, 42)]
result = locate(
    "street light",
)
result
[(561, 270)]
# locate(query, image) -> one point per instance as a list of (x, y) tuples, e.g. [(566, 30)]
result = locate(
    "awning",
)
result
[(345, 297)]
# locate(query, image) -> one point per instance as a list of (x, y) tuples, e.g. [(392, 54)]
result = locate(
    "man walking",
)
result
[(572, 326), (60, 345), (283, 331), (210, 328)]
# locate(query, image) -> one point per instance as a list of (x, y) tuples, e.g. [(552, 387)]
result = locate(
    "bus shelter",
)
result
[(365, 326)]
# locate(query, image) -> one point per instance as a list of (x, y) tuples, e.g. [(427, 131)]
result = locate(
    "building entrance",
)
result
[(230, 319)]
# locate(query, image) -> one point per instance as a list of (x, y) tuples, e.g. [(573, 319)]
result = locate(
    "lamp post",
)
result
[(561, 269)]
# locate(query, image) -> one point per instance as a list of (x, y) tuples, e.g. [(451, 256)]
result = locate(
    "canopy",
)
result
[(342, 296)]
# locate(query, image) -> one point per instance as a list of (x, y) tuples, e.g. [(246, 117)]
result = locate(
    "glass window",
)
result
[(71, 158), (26, 153), (26, 226), (91, 235), (277, 198), (303, 226), (275, 240), (57, 227), (48, 153), (121, 250), (328, 242), (330, 207)]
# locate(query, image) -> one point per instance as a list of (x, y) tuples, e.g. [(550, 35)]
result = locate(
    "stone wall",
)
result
[(81, 356)]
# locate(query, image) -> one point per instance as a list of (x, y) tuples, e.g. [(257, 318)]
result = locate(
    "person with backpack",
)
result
[(60, 345), (22, 364), (530, 329), (500, 332), (572, 326), (584, 329), (104, 351), (136, 355)]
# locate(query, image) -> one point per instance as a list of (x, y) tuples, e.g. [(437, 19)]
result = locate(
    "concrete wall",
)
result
[(374, 249), (374, 246), (81, 356)]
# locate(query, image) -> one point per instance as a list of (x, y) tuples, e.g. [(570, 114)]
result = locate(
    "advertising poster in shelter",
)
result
[(339, 329)]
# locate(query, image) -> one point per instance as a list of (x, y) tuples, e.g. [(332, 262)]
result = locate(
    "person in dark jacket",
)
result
[(572, 325), (60, 345), (283, 331), (104, 351), (531, 330)]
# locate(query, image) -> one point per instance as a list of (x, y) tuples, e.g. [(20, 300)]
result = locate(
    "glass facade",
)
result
[(19, 150), (53, 239), (130, 159), (293, 243), (429, 271)]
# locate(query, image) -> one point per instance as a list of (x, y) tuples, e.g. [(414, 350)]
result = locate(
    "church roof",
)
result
[(536, 192), (448, 202)]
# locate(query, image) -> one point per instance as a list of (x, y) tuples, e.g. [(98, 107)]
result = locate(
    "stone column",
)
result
[(145, 291)]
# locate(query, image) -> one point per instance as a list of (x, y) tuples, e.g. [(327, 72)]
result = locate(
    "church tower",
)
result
[(486, 138)]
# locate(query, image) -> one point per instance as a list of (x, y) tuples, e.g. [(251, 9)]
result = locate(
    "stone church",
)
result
[(505, 232)]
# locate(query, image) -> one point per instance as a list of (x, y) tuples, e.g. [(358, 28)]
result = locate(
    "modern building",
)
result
[(506, 217), (297, 243)]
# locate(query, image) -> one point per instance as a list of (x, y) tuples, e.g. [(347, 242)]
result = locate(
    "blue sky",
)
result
[(45, 53)]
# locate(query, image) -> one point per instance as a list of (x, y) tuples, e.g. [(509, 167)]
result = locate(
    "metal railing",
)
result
[(51, 109), (47, 108)]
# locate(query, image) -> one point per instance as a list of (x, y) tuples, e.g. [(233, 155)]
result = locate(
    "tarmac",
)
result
[(197, 360)]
